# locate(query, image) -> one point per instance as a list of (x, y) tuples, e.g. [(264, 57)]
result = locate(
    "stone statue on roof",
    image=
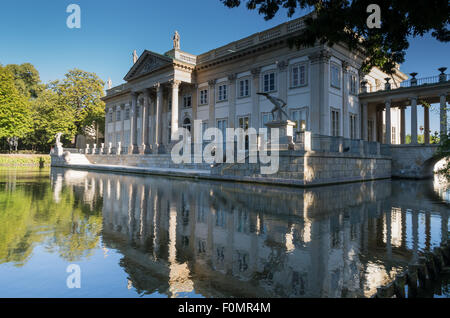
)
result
[(109, 83), (176, 41), (135, 57)]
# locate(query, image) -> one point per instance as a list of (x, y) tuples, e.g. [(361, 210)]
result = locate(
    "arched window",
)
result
[(187, 124)]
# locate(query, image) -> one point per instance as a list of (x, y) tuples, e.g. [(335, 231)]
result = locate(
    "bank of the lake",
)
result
[(24, 160)]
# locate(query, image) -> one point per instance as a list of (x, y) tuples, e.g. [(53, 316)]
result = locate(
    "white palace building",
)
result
[(321, 85)]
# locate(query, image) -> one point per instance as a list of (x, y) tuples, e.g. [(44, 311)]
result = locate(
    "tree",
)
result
[(51, 115), (82, 91), (345, 21), (26, 79), (15, 119)]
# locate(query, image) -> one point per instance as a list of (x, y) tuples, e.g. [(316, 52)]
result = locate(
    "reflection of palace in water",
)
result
[(213, 239)]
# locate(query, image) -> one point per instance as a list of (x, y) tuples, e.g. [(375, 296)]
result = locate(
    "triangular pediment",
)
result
[(147, 63)]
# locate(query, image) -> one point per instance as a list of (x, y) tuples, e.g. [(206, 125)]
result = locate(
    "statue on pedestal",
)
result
[(176, 41), (58, 144), (278, 109), (135, 57), (109, 83)]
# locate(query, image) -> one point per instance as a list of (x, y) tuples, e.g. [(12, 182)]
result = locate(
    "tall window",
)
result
[(299, 75), (353, 84), (110, 117), (393, 136), (352, 126), (335, 123), (118, 115), (244, 123), (138, 111), (269, 82), (222, 125), (222, 93), (335, 76), (203, 97), (244, 88), (300, 117), (187, 124), (187, 101), (127, 114)]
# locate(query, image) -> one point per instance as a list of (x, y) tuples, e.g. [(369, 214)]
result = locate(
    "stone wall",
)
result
[(158, 161), (413, 161), (312, 168)]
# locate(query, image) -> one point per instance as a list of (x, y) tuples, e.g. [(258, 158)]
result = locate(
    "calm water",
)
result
[(138, 236)]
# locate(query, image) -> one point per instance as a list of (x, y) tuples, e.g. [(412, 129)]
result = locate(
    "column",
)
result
[(194, 108), (212, 103), (175, 108), (122, 126), (443, 115), (144, 126), (402, 126), (413, 120), (283, 80), (320, 85), (345, 90), (133, 125), (426, 120), (158, 115), (232, 100), (256, 72), (364, 128), (388, 122)]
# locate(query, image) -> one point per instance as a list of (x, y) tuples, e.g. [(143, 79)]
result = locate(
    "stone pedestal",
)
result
[(286, 134)]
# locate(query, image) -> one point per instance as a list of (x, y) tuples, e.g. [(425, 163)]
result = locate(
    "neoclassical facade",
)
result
[(320, 84)]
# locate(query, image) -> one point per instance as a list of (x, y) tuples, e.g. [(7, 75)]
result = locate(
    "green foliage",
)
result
[(24, 160), (50, 116), (27, 206), (344, 21), (15, 119), (82, 91), (26, 79), (444, 151)]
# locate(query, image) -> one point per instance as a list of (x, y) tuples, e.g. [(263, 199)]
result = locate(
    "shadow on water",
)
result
[(179, 237)]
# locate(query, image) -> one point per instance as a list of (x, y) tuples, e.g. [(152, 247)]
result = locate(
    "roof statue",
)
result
[(135, 57), (176, 41), (109, 83)]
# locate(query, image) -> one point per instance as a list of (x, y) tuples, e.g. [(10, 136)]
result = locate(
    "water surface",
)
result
[(141, 236)]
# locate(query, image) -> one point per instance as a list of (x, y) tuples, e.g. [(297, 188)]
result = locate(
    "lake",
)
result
[(143, 236)]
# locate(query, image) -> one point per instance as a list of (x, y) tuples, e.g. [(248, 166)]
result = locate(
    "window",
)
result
[(393, 136), (335, 76), (118, 115), (222, 95), (222, 125), (169, 105), (118, 137), (138, 111), (244, 88), (266, 118), (353, 84), (204, 127), (300, 117), (110, 116), (269, 82), (127, 114), (298, 75), (335, 123), (244, 123), (187, 124), (203, 97), (352, 126), (187, 101)]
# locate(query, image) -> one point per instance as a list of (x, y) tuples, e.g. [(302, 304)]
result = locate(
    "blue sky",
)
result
[(35, 31)]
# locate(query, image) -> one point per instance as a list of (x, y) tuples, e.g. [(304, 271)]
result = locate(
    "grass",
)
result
[(13, 160)]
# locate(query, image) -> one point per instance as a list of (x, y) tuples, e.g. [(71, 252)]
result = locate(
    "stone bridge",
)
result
[(414, 161)]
